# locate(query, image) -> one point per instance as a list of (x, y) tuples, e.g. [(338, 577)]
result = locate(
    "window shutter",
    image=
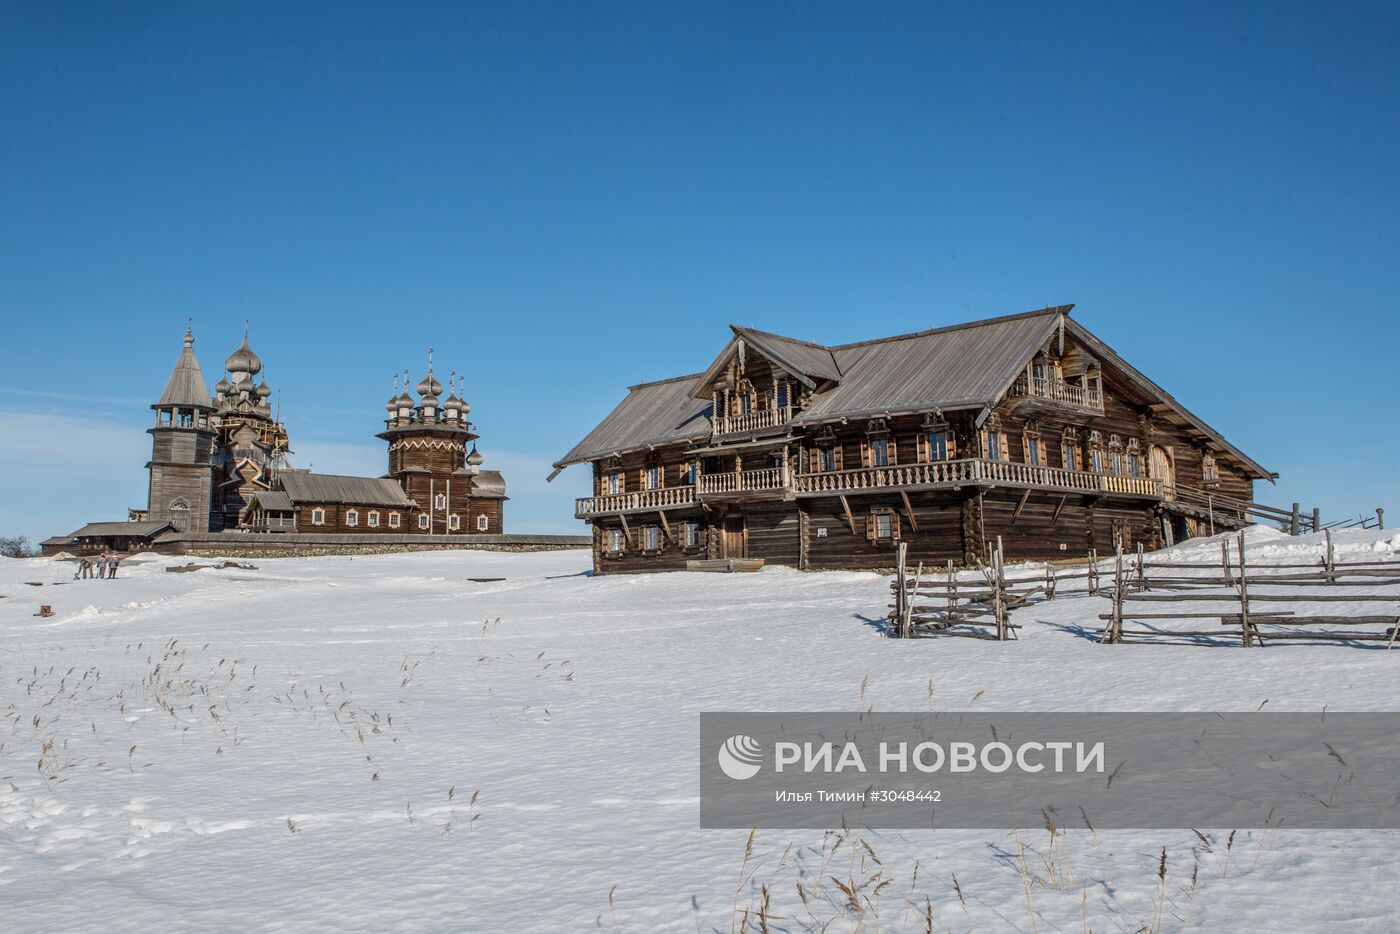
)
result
[(894, 526), (815, 459), (865, 452), (951, 448), (922, 450), (837, 453), (893, 455), (870, 527)]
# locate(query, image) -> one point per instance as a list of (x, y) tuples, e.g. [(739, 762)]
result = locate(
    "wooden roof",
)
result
[(330, 488), (145, 529), (186, 387), (964, 366)]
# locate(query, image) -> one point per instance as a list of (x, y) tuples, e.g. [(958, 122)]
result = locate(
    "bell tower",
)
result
[(181, 467)]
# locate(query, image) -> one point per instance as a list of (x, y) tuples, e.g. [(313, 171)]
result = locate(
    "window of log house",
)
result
[(482, 523), (393, 520), (1134, 458), (882, 525), (423, 520), (612, 483), (1069, 450), (935, 445), (691, 534), (352, 518), (318, 517), (1095, 452), (1115, 455), (826, 457), (880, 452), (372, 520), (454, 522), (440, 501), (613, 541), (1035, 449), (993, 448), (651, 538), (690, 473), (1209, 472), (651, 477)]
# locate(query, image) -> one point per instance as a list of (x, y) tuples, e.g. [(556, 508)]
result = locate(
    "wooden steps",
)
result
[(724, 565)]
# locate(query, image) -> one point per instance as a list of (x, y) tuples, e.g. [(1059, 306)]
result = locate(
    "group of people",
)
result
[(106, 567)]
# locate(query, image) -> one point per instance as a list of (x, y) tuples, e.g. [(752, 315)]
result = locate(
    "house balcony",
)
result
[(743, 483), (1057, 393), (671, 497), (970, 472), (757, 420)]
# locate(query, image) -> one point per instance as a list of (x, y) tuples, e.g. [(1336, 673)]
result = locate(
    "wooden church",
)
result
[(1026, 427), (220, 464)]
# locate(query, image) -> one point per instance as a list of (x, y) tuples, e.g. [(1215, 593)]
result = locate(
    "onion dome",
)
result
[(474, 459), (243, 360), (222, 387), (392, 406), (429, 386), (263, 389)]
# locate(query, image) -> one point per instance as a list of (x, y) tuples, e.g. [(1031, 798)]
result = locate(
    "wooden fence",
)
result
[(932, 601)]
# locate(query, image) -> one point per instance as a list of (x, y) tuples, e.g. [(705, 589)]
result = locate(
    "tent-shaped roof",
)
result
[(186, 387)]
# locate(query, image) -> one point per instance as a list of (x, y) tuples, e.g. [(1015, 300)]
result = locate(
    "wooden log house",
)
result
[(1026, 427)]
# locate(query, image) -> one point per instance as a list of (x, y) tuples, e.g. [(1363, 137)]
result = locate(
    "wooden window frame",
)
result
[(613, 536), (352, 518), (872, 525), (987, 453), (425, 521), (454, 522), (318, 516), (372, 519), (650, 532), (924, 447), (440, 502), (483, 522), (394, 520)]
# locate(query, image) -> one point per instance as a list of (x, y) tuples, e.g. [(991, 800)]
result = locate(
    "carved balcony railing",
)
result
[(744, 481), (752, 421), (1057, 390), (967, 471), (641, 500)]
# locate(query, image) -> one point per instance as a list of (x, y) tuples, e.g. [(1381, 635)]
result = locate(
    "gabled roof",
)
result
[(964, 366), (653, 413), (273, 501), (1107, 355), (186, 387), (121, 529), (330, 488)]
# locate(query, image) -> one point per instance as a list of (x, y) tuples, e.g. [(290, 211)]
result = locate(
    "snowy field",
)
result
[(382, 744)]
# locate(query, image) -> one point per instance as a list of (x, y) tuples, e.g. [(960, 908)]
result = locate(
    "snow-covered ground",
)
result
[(383, 744)]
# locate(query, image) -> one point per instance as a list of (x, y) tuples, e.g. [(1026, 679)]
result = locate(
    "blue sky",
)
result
[(565, 199)]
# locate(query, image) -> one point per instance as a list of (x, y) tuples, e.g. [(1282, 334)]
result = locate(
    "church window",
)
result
[(372, 520), (440, 501), (318, 517), (352, 518), (482, 523), (393, 520), (423, 520), (454, 521)]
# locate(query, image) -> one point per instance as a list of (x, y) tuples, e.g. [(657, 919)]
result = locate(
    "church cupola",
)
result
[(182, 447)]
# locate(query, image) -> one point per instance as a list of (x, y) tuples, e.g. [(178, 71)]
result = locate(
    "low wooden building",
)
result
[(1026, 427)]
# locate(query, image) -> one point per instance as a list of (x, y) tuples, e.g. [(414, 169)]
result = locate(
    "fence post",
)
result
[(1317, 519), (1380, 518), (899, 574), (1293, 528), (1246, 630), (1329, 561), (1093, 572)]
